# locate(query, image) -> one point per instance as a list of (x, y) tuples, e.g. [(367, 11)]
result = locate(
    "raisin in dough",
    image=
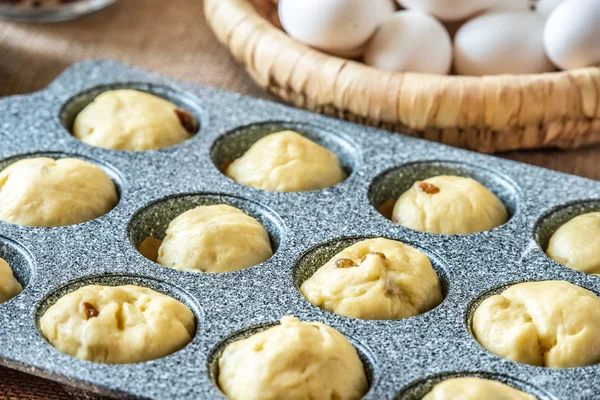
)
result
[(475, 389), (133, 120), (9, 286), (450, 205), (576, 244), (294, 361), (46, 192), (217, 238), (118, 324), (287, 162), (375, 279), (549, 324)]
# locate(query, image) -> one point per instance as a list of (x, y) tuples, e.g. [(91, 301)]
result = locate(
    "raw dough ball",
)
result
[(551, 324), (118, 324), (475, 389), (502, 43), (287, 162), (576, 244), (217, 238), (9, 286), (294, 361), (411, 41), (46, 192), (133, 120), (572, 34), (450, 205), (375, 279)]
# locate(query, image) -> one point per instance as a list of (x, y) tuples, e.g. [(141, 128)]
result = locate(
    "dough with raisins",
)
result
[(217, 238), (287, 162), (295, 361), (9, 286), (118, 324), (375, 279), (475, 389), (450, 205), (46, 192), (133, 120), (551, 324), (576, 244)]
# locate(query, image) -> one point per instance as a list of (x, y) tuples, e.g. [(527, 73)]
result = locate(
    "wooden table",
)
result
[(170, 37)]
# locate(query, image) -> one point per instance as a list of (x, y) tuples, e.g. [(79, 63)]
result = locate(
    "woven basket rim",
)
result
[(287, 38), (485, 113)]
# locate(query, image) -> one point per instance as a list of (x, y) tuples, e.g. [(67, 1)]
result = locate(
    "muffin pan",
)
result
[(403, 358)]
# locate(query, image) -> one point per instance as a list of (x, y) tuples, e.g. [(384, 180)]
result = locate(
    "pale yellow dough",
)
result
[(576, 244), (9, 286), (475, 389), (550, 323), (287, 162), (292, 361), (130, 120), (461, 206), (400, 284), (46, 192), (133, 324), (217, 238)]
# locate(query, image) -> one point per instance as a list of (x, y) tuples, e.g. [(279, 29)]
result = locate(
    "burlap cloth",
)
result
[(168, 36)]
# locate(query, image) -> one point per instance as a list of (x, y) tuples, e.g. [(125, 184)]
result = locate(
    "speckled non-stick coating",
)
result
[(404, 357)]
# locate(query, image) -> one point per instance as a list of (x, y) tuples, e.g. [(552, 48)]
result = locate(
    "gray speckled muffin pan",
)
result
[(403, 358)]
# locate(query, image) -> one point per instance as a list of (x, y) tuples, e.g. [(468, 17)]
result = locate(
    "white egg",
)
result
[(384, 8), (448, 10), (336, 26), (411, 41), (509, 5), (356, 52), (501, 43), (543, 7), (572, 34), (546, 7)]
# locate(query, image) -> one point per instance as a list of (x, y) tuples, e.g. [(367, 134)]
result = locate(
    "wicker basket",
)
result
[(487, 114)]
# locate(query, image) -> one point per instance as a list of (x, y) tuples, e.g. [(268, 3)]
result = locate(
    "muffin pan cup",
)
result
[(403, 357)]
